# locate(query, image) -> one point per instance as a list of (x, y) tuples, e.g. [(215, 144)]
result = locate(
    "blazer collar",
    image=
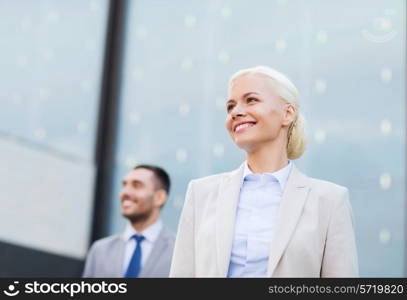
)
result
[(293, 199), (160, 245), (291, 206), (116, 255), (225, 217)]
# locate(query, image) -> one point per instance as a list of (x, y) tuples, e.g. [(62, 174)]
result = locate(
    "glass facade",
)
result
[(51, 64)]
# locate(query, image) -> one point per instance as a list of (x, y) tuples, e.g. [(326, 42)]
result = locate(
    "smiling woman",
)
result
[(265, 219)]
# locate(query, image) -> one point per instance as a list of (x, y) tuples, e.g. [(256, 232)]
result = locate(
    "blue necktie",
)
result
[(135, 263)]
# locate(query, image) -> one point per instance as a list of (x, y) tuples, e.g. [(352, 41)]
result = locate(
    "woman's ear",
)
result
[(289, 114)]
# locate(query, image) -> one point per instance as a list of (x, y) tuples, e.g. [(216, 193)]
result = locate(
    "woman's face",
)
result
[(256, 116)]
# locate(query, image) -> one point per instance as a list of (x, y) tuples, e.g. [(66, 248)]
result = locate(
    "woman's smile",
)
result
[(242, 126)]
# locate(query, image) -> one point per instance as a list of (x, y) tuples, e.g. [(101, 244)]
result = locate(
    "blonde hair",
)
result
[(286, 90)]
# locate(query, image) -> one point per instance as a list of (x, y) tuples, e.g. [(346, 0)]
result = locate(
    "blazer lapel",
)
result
[(291, 206), (117, 255), (225, 217), (158, 248)]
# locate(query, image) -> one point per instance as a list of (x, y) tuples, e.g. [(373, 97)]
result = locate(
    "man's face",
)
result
[(137, 195)]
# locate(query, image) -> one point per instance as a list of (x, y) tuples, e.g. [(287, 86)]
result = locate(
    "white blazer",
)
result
[(314, 235)]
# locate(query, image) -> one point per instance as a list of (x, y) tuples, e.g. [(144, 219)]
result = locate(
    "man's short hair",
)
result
[(162, 177)]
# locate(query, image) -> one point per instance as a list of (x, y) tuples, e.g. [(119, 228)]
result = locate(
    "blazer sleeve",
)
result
[(90, 263), (340, 254), (183, 259)]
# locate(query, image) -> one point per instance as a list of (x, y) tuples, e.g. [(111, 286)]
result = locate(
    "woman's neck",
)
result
[(267, 159)]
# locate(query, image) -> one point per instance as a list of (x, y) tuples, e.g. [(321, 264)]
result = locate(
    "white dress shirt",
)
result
[(256, 216), (150, 236)]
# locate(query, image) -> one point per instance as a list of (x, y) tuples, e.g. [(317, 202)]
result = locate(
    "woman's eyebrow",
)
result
[(244, 96), (247, 94)]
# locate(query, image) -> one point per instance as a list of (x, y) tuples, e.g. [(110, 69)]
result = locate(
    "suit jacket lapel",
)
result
[(291, 206), (225, 217), (158, 248), (117, 256)]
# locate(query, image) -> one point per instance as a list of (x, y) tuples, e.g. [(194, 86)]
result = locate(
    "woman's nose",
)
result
[(238, 111)]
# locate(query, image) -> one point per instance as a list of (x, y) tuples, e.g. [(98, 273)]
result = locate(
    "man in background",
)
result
[(145, 248)]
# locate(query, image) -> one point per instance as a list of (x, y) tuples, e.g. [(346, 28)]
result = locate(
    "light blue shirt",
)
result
[(256, 218)]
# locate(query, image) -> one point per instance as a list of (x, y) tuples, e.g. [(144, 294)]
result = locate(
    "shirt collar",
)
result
[(281, 175), (150, 233)]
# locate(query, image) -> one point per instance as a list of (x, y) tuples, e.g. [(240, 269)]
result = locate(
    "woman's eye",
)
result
[(251, 99), (230, 107)]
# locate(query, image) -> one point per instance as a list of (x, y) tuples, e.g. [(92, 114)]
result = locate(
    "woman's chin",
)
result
[(247, 145)]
